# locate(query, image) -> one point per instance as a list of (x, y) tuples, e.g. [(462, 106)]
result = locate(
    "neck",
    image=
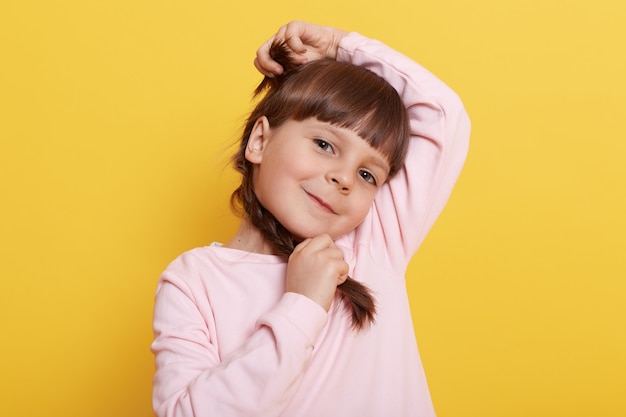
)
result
[(248, 238)]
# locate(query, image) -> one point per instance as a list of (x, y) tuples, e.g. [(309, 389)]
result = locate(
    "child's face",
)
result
[(315, 178)]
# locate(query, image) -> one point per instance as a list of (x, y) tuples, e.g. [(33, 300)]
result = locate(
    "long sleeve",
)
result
[(258, 377), (406, 208)]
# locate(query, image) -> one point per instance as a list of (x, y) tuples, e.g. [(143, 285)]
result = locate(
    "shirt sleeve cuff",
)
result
[(348, 45), (301, 312)]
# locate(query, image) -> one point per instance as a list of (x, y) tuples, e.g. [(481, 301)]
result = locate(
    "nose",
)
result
[(341, 177)]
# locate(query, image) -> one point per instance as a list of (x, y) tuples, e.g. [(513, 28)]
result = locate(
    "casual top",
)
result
[(230, 342)]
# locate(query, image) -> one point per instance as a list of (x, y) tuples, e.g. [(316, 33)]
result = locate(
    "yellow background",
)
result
[(116, 120)]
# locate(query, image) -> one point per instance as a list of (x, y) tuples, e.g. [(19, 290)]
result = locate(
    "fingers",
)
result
[(264, 62), (324, 247), (305, 40), (315, 269), (342, 278), (293, 33), (315, 243)]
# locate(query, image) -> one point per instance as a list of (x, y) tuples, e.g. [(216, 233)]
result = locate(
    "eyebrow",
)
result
[(376, 159)]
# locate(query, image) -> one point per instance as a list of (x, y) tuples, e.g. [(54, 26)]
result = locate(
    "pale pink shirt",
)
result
[(230, 342)]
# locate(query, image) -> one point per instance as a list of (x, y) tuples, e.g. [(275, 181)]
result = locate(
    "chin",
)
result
[(309, 234), (301, 233)]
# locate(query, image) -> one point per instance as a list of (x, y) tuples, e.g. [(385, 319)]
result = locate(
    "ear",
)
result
[(257, 140)]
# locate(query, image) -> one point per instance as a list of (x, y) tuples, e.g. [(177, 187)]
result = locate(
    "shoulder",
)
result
[(192, 260), (215, 266)]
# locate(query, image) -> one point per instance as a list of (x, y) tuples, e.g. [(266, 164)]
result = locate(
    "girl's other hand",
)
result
[(315, 269), (307, 41)]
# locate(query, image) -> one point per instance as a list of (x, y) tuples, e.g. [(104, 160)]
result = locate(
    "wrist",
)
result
[(337, 37)]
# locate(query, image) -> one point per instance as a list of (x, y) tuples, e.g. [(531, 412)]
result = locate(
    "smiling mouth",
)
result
[(321, 203)]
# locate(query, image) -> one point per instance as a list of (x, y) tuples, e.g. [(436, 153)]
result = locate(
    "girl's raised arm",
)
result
[(406, 208)]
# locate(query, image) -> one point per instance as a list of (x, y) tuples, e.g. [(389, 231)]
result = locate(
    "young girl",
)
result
[(304, 312)]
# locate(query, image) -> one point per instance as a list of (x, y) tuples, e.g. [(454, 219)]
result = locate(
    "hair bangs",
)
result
[(346, 96)]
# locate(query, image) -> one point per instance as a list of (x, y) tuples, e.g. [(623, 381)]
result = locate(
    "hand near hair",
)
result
[(307, 41), (315, 268)]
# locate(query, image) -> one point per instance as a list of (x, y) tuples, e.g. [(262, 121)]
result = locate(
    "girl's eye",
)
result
[(367, 176), (323, 145)]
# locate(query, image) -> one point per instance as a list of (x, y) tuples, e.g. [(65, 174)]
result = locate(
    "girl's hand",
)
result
[(307, 41), (315, 269)]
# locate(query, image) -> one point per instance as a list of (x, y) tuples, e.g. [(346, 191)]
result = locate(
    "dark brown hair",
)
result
[(341, 94)]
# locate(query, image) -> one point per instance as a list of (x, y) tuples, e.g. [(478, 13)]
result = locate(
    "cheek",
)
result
[(363, 204), (273, 180)]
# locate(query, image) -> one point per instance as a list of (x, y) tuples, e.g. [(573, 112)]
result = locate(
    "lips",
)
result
[(321, 203)]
